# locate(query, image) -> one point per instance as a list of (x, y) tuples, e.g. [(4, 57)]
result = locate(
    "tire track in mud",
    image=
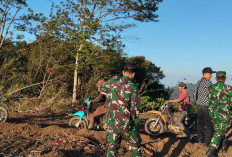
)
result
[(48, 135)]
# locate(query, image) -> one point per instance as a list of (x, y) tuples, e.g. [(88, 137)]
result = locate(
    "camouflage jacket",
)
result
[(123, 97), (220, 99)]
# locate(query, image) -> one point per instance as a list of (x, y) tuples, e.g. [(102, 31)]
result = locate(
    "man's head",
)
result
[(129, 71), (207, 73), (181, 86), (100, 82), (221, 76)]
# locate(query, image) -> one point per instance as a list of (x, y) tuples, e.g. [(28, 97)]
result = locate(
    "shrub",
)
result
[(148, 103)]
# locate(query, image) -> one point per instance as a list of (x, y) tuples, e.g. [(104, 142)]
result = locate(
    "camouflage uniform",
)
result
[(220, 98), (123, 115)]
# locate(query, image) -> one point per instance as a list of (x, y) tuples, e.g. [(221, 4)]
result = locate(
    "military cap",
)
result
[(182, 84), (221, 74)]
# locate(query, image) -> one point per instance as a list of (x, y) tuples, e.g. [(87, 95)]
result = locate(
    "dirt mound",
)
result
[(47, 134)]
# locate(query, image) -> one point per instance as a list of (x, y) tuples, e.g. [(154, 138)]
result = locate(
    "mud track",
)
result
[(47, 134)]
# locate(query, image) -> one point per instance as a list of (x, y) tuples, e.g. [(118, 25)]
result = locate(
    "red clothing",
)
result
[(184, 99)]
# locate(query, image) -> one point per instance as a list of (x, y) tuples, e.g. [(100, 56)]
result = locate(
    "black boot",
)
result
[(211, 152), (224, 146)]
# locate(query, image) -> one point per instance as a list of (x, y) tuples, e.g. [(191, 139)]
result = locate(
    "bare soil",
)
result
[(47, 134)]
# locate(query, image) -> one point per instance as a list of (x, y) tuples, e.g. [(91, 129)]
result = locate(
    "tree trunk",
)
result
[(75, 76)]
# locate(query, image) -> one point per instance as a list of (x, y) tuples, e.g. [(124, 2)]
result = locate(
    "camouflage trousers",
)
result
[(220, 129), (115, 134)]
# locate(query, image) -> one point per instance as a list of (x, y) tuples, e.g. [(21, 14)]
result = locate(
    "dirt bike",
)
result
[(3, 112), (165, 120), (80, 118)]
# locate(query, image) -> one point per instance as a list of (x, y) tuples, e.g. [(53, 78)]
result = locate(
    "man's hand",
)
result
[(104, 93), (167, 103), (89, 102)]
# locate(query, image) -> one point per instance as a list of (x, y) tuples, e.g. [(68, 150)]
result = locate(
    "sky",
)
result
[(189, 36)]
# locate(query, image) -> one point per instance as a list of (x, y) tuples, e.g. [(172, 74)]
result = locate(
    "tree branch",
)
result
[(10, 25), (34, 85), (3, 19), (117, 18)]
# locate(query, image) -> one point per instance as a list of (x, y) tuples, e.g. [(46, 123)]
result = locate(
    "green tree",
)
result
[(12, 20), (82, 36), (148, 75), (41, 72), (95, 21)]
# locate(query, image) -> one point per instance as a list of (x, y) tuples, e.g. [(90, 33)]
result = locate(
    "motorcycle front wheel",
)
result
[(3, 115), (154, 128), (76, 122)]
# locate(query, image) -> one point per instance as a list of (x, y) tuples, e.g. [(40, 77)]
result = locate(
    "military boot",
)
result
[(224, 146), (90, 127), (211, 152)]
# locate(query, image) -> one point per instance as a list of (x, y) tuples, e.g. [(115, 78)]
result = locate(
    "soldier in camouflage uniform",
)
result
[(123, 114), (220, 98)]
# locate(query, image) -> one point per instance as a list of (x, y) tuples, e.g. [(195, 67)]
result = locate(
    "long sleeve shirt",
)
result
[(100, 98), (220, 99), (203, 91), (123, 101)]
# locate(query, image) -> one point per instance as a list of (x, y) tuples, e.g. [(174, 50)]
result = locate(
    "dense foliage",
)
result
[(77, 44)]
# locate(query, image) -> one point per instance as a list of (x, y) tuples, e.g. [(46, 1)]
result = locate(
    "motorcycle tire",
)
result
[(3, 115), (76, 122), (154, 130)]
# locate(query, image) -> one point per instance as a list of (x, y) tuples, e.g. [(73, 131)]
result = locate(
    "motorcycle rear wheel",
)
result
[(154, 130), (3, 115), (76, 122)]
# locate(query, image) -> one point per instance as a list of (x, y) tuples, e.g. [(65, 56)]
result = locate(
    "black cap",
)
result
[(208, 70)]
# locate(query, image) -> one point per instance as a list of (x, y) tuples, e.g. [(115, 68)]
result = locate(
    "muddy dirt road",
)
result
[(47, 134)]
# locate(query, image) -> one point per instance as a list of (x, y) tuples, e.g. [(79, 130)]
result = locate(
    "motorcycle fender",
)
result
[(159, 113), (81, 114)]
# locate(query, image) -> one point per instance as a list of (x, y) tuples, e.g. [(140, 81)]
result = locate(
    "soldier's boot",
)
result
[(90, 127), (224, 146), (212, 152)]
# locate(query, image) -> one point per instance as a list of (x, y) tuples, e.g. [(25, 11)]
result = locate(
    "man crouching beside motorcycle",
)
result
[(101, 109), (184, 107)]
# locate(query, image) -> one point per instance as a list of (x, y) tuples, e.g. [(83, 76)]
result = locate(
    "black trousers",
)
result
[(204, 125)]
